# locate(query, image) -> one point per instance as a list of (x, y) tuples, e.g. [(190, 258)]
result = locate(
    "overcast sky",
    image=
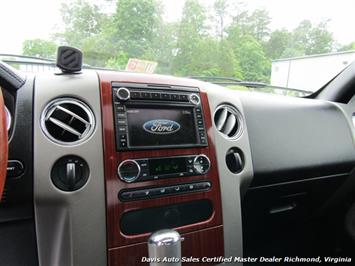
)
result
[(21, 19)]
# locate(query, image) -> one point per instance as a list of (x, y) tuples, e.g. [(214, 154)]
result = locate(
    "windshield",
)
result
[(285, 44)]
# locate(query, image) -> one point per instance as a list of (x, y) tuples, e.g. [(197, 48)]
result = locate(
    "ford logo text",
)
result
[(161, 126)]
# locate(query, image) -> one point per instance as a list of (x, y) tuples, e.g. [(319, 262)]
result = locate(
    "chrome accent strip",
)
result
[(72, 114), (8, 118), (64, 126)]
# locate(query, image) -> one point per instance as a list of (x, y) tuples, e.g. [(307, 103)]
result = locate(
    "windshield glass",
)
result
[(279, 44)]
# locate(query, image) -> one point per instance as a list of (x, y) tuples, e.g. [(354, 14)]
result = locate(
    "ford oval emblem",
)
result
[(161, 126)]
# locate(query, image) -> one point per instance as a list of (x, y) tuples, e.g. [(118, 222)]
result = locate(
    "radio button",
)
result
[(122, 129), (200, 122), (143, 164), (184, 98), (121, 115), (198, 110), (144, 176), (146, 95), (175, 97), (119, 108), (190, 160), (165, 96), (123, 144), (155, 192), (190, 170), (140, 194), (156, 95), (126, 195), (121, 122), (135, 95)]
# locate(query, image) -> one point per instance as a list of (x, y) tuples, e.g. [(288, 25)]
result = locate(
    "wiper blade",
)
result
[(24, 57), (249, 84), (210, 78), (33, 60)]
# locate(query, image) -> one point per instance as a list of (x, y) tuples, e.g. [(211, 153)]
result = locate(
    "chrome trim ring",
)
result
[(53, 105), (239, 118), (130, 180), (195, 163), (195, 102), (123, 98)]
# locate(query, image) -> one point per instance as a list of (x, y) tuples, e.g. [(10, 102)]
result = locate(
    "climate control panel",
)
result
[(139, 170)]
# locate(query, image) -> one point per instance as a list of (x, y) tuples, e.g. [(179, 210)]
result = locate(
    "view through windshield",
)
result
[(294, 44)]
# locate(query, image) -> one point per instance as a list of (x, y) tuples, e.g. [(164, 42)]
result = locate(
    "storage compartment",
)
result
[(286, 214), (170, 216)]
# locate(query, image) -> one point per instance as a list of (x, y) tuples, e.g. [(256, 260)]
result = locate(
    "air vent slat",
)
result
[(67, 121), (64, 126), (228, 121), (221, 119), (230, 124), (73, 115)]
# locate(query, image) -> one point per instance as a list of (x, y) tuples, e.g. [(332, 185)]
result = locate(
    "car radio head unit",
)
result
[(149, 118)]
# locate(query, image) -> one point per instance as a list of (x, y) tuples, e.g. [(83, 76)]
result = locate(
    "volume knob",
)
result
[(123, 94), (129, 171), (201, 164)]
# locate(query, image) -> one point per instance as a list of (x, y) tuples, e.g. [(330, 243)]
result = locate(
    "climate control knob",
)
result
[(128, 171), (123, 94), (201, 164)]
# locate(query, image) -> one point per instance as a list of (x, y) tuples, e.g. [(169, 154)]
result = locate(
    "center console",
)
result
[(160, 168)]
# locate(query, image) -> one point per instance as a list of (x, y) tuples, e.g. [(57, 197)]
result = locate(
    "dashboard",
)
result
[(115, 156)]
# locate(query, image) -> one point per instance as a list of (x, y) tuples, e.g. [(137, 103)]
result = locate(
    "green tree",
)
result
[(118, 62), (81, 21), (134, 26), (256, 24), (221, 11), (278, 43), (321, 39), (163, 46), (191, 33), (308, 39), (347, 47), (83, 28), (254, 64), (39, 48)]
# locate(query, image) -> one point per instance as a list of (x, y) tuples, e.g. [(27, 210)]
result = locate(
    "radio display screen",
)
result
[(160, 126), (167, 166)]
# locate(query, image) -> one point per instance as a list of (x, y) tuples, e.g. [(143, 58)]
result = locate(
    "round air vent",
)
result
[(67, 121), (228, 121)]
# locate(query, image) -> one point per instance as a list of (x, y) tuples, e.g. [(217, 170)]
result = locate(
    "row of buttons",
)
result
[(163, 191), (121, 124), (200, 126), (137, 95)]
